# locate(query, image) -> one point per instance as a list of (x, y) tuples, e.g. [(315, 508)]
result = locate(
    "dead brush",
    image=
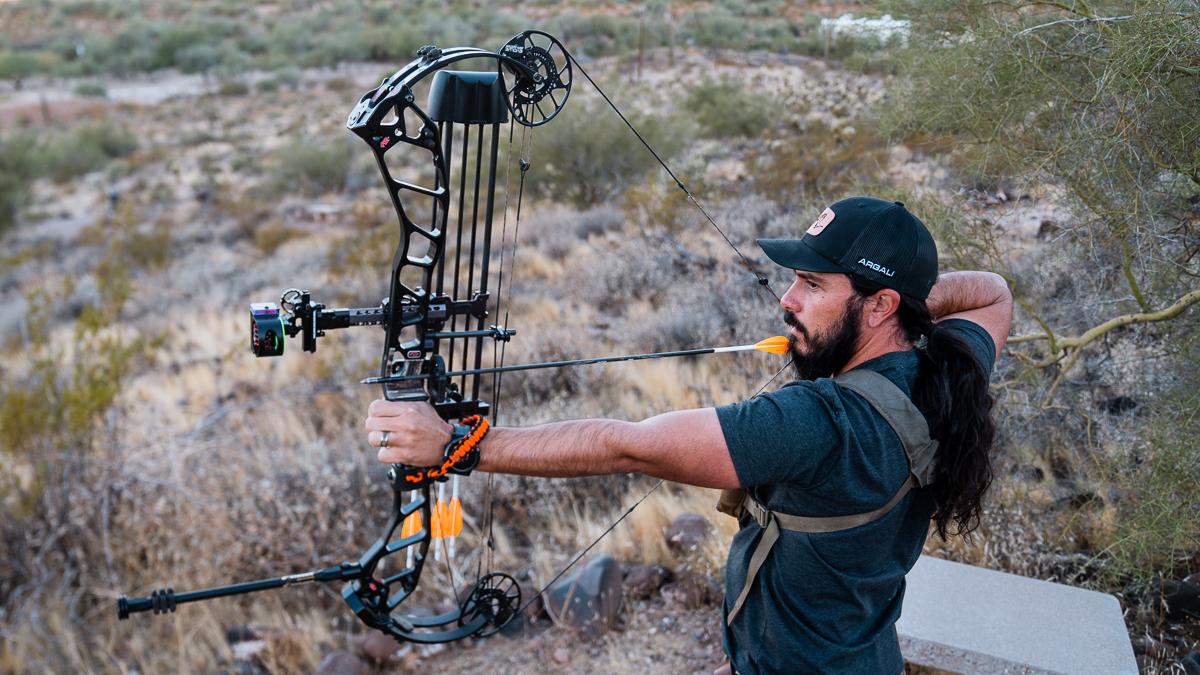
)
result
[(569, 526)]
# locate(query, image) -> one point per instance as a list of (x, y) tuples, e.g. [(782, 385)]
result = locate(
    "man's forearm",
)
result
[(957, 292), (575, 448)]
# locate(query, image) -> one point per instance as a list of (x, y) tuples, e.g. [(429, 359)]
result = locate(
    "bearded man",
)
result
[(836, 476)]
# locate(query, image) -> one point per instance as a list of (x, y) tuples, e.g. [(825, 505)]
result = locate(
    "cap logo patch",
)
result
[(877, 267), (821, 222)]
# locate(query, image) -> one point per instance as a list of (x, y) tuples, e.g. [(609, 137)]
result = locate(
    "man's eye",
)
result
[(813, 287)]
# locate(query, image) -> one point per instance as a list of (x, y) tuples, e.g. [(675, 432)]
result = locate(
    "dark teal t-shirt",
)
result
[(826, 602)]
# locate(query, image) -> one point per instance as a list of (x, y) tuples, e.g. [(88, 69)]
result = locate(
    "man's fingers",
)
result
[(381, 407), (384, 408)]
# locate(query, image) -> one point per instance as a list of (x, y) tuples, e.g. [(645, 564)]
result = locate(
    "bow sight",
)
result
[(434, 317)]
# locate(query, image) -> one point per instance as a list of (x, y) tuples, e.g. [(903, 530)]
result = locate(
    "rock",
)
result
[(248, 649), (1179, 600), (434, 649), (589, 599), (378, 647), (1173, 600), (689, 591), (688, 531), (562, 655), (343, 663), (1191, 663), (1033, 474), (643, 580), (1146, 645), (1118, 404), (1048, 228), (241, 634)]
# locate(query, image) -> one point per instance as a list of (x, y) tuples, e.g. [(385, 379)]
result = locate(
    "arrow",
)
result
[(772, 345)]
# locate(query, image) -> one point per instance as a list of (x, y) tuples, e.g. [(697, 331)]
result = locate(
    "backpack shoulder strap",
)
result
[(912, 430), (901, 414)]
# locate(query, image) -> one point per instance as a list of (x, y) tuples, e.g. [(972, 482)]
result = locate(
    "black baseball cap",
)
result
[(871, 238)]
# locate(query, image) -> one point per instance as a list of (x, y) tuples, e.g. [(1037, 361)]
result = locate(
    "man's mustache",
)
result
[(791, 320)]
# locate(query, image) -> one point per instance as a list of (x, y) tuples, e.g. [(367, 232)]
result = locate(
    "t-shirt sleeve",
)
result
[(783, 436), (977, 338)]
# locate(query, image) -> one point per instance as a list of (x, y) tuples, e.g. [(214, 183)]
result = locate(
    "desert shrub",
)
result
[(198, 58), (723, 108), (17, 166), (176, 41), (599, 34), (591, 156), (58, 402), (232, 86), (85, 149), (314, 167), (1157, 532), (391, 41), (795, 167), (267, 85), (271, 236), (91, 89), (18, 65), (715, 28)]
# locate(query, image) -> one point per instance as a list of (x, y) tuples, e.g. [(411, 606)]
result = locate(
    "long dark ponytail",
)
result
[(952, 392)]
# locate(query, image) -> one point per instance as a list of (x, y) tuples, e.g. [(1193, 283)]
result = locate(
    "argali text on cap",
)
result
[(876, 266)]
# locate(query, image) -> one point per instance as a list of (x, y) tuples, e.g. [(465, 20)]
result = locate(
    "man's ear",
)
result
[(882, 306)]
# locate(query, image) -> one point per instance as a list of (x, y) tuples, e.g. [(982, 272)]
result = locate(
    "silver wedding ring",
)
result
[(383, 440)]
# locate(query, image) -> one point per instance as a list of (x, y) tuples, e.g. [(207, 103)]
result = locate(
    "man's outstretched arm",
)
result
[(687, 446)]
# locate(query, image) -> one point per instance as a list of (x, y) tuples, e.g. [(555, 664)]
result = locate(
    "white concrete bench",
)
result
[(968, 619)]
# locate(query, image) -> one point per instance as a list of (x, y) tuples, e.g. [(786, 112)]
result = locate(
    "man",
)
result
[(815, 576)]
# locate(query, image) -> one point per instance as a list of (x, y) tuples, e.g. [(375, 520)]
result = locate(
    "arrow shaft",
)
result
[(559, 364)]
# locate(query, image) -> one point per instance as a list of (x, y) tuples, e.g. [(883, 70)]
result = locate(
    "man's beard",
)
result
[(825, 353)]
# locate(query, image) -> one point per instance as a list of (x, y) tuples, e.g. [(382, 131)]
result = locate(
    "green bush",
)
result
[(91, 89), (723, 107), (88, 148), (313, 167), (1158, 526), (18, 65), (232, 86), (17, 170), (591, 156)]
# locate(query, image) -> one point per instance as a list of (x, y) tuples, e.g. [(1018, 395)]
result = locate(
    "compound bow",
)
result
[(426, 349)]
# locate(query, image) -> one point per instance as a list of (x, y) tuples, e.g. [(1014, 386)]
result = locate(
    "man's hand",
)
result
[(416, 435)]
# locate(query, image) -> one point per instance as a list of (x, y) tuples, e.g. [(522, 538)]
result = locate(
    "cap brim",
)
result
[(798, 255)]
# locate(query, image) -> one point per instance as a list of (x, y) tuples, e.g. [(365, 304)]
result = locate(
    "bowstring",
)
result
[(616, 522), (750, 267), (760, 278), (498, 350)]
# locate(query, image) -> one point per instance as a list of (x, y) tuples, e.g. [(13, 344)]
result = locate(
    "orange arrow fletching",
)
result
[(412, 525), (441, 520), (454, 518), (773, 345)]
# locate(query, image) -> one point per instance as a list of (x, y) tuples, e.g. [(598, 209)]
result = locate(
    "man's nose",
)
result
[(790, 302)]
